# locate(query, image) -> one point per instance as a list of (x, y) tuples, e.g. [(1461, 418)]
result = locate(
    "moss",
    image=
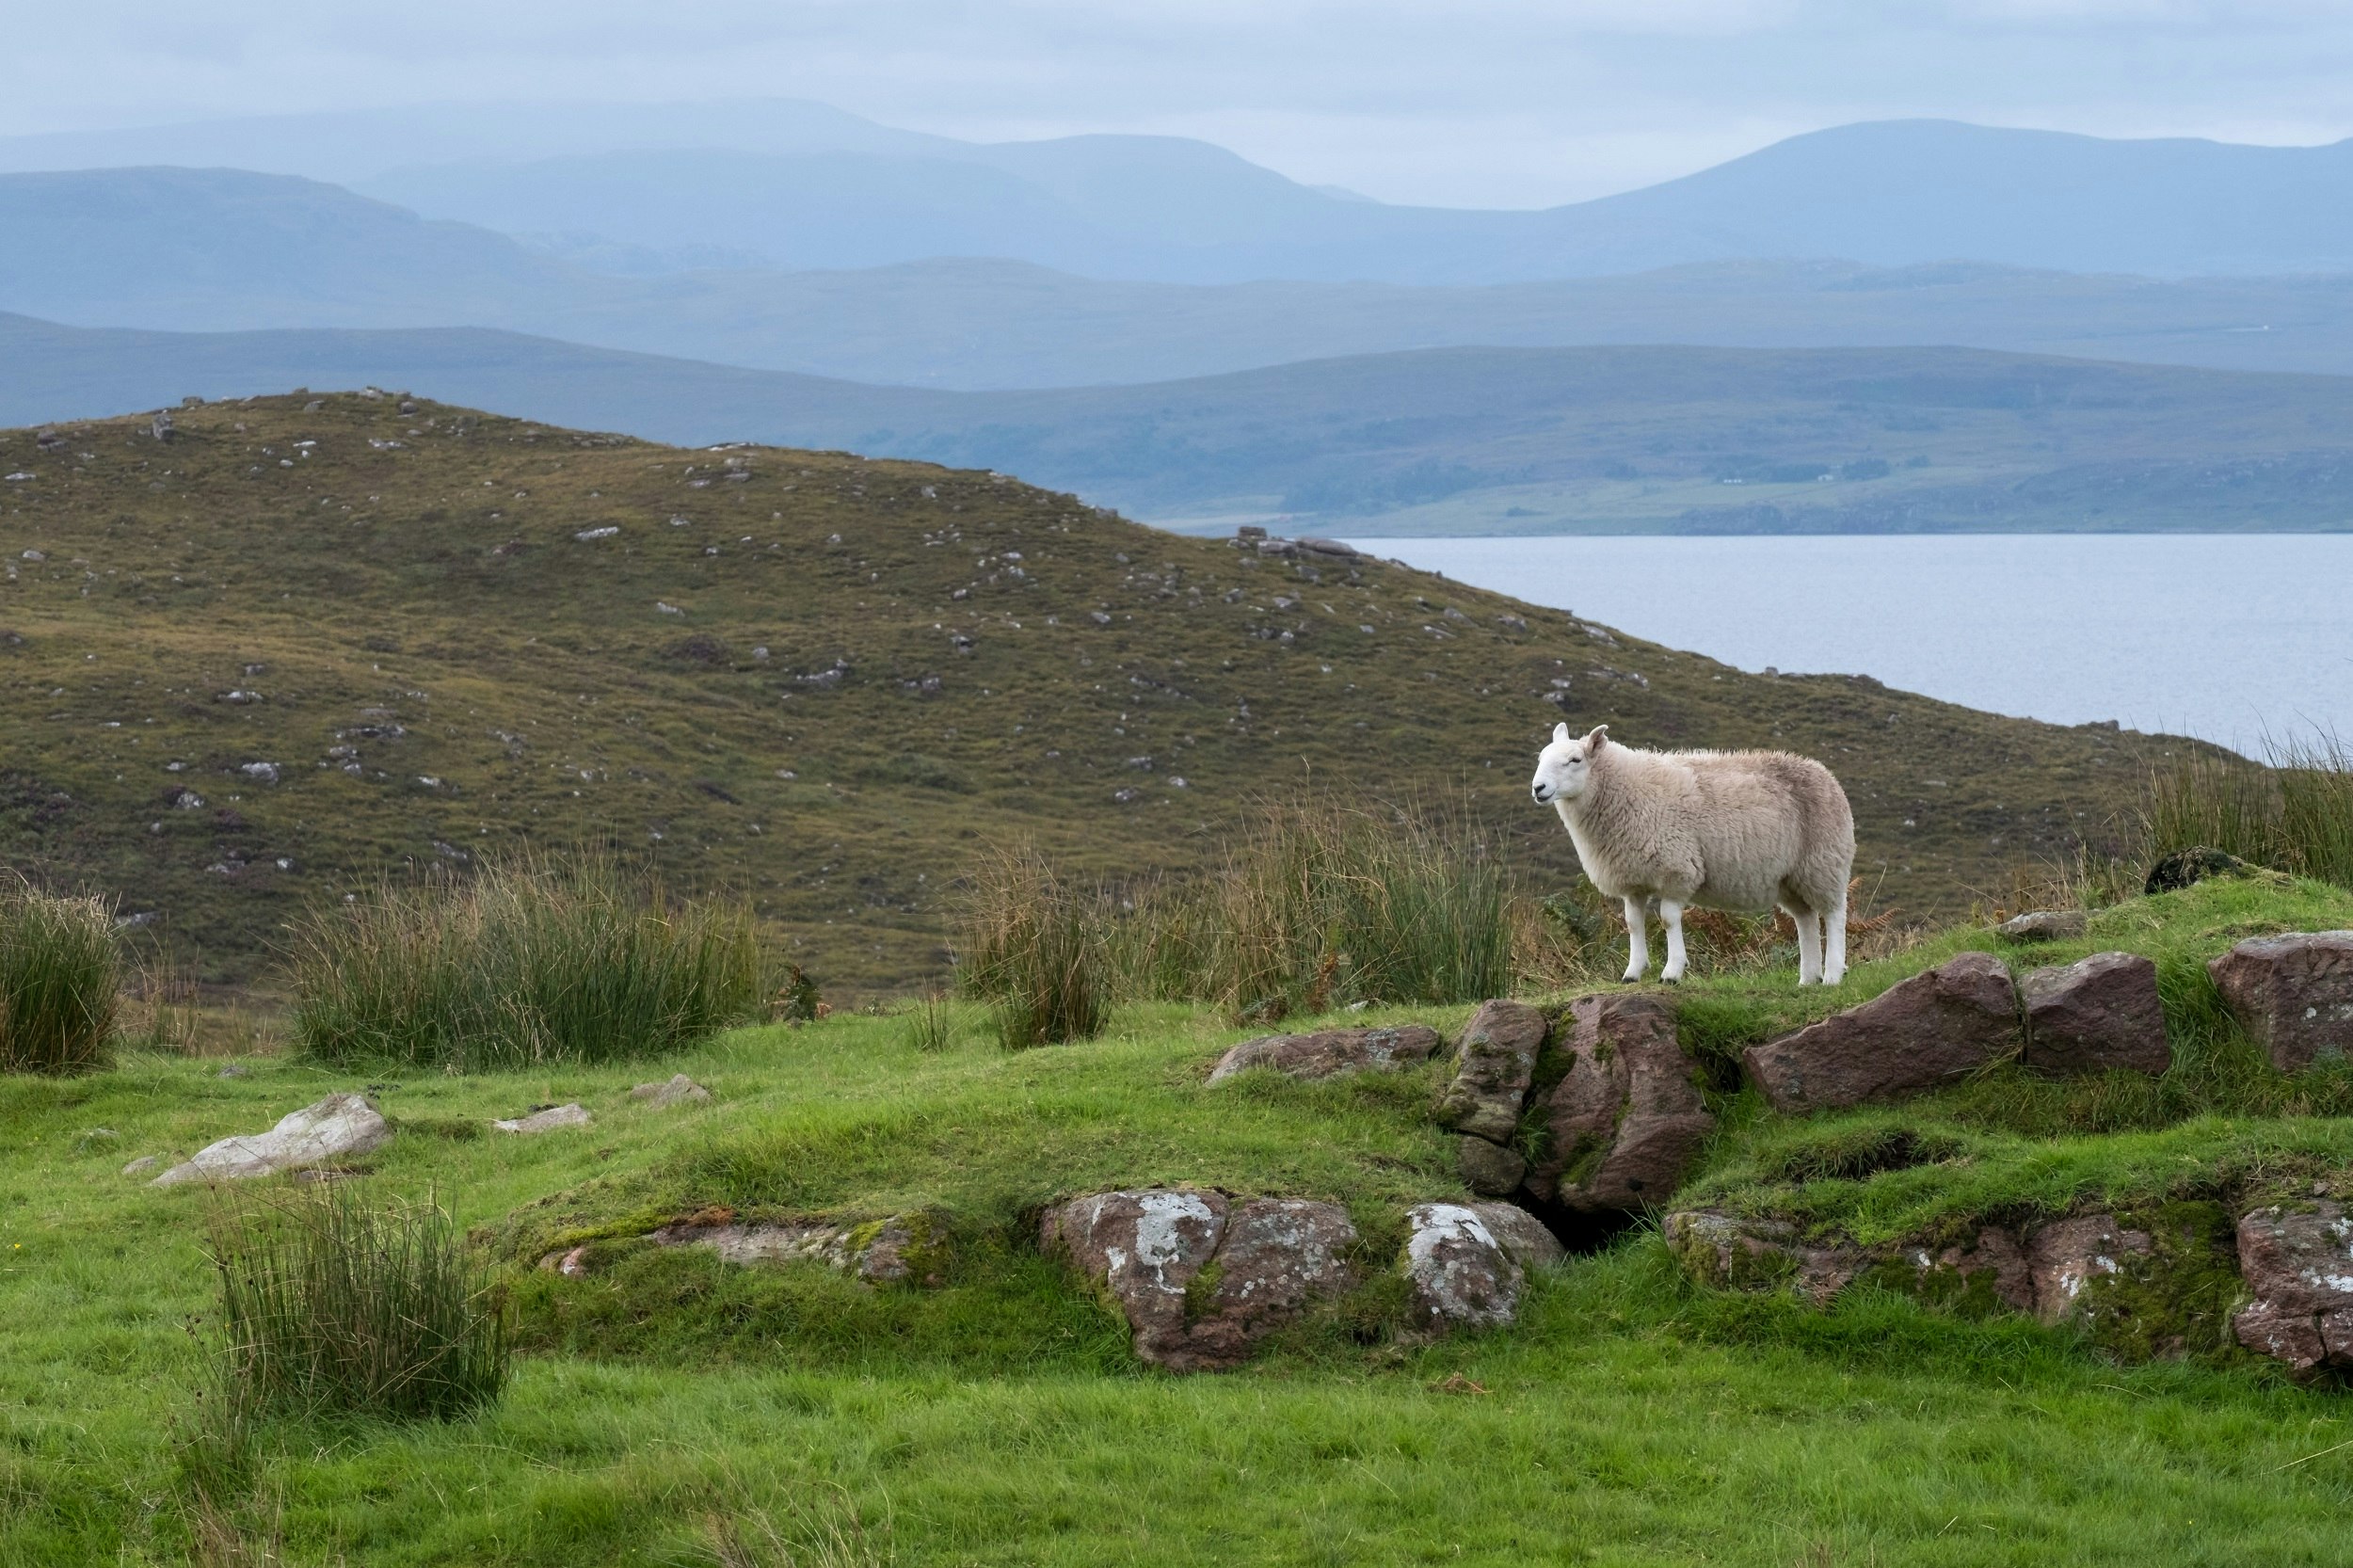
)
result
[(1972, 1293), (2175, 1300), (1201, 1292)]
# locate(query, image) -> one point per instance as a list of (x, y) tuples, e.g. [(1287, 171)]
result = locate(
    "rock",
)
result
[(234, 1070), (1919, 1034), (160, 427), (2099, 1012), (1488, 1169), (2297, 1263), (2043, 925), (1626, 1121), (1734, 1253), (1991, 1270), (2186, 867), (1461, 1273), (1521, 1235), (1495, 1062), (914, 1246), (1199, 1278), (143, 1164), (336, 1127), (2067, 1256), (555, 1116), (679, 1090), (1331, 1052), (2293, 994)]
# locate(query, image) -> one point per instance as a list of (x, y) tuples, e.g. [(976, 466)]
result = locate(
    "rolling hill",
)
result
[(1451, 441), (305, 638)]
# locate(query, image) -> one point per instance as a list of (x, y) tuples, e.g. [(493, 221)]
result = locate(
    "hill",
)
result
[(309, 637), (1457, 440)]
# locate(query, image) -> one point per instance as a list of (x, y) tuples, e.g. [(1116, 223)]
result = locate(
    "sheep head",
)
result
[(1564, 768)]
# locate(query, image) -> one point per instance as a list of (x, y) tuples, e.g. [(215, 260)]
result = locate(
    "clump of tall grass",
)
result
[(2295, 815), (332, 1303), (534, 959), (60, 980), (1031, 942), (932, 1023)]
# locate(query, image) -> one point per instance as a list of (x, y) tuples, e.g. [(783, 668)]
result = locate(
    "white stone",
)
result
[(337, 1126)]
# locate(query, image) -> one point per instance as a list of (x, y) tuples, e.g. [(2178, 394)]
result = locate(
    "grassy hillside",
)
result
[(295, 645)]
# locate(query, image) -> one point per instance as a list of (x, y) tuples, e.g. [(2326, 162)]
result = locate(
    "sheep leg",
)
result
[(1809, 945), (1637, 939), (1671, 913), (1834, 940)]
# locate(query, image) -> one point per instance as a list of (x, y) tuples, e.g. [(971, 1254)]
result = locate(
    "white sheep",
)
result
[(1725, 829)]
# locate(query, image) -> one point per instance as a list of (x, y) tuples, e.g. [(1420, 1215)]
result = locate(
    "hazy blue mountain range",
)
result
[(224, 250), (794, 186), (1468, 441)]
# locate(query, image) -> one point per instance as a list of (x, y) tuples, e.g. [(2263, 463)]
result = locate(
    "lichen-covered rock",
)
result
[(1735, 1252), (336, 1127), (2067, 1256), (2043, 925), (1494, 1063), (2293, 994), (552, 1119), (1466, 1265), (1919, 1034), (1199, 1278), (1488, 1169), (2297, 1263), (1989, 1273), (1331, 1052), (1626, 1121), (912, 1247), (2093, 1014), (678, 1090)]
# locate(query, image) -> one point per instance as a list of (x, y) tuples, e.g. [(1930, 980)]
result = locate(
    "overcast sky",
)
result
[(1468, 103)]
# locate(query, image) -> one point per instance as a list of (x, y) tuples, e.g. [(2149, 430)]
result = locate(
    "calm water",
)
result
[(2226, 636)]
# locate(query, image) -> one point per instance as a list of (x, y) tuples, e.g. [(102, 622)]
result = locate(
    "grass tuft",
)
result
[(533, 959), (61, 981), (2295, 816), (1032, 942)]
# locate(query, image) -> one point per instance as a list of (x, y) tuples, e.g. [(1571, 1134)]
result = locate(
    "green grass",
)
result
[(1031, 943), (533, 959), (2295, 815), (60, 980)]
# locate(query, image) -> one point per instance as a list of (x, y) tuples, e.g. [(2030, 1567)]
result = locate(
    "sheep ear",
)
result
[(1560, 732), (1594, 737)]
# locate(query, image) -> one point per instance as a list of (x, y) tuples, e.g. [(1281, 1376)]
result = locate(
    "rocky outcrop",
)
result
[(679, 1090), (1990, 1270), (1331, 1052), (2293, 994), (2097, 1014), (1921, 1034), (547, 1119), (1466, 1265), (1626, 1121), (1735, 1252), (2043, 925), (1201, 1278), (2297, 1263), (912, 1247), (1494, 1063), (337, 1128)]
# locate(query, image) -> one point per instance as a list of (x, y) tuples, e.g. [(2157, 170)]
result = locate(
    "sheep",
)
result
[(1725, 829)]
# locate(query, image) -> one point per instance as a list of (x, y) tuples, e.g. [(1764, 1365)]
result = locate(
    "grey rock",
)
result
[(143, 1164), (1488, 1169), (1331, 1052), (2043, 925), (234, 1070), (1466, 1265), (1626, 1121), (2098, 1013), (911, 1247), (679, 1090), (1919, 1034), (2294, 995), (554, 1118), (2297, 1264), (335, 1128), (1495, 1062)]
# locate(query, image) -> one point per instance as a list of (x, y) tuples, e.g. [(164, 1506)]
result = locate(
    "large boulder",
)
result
[(2099, 1012), (1466, 1264), (1332, 1052), (1626, 1121), (2297, 1264), (2294, 995), (1495, 1062), (1919, 1034), (336, 1127), (1199, 1277)]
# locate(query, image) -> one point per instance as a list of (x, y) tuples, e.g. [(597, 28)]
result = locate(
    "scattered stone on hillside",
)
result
[(2098, 1013), (143, 1164), (1919, 1034), (235, 1069), (547, 1119), (899, 1248), (160, 427), (679, 1090), (1333, 548), (2297, 1263), (1626, 1121), (1467, 1264), (1331, 1052), (2293, 994), (1735, 1252), (2043, 925), (2186, 867), (1489, 1169), (1495, 1062), (335, 1128), (1199, 1277), (2067, 1256)]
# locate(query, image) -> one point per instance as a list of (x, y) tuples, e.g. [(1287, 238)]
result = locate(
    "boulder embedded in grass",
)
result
[(1331, 1052), (1739, 1253), (2095, 1014), (2299, 1265), (1466, 1264), (2043, 925), (679, 1090), (547, 1120), (901, 1247), (1626, 1121), (2293, 994), (1919, 1034), (337, 1126), (1494, 1065)]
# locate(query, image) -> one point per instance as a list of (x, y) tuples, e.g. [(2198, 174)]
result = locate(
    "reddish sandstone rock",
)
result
[(2099, 1012), (2294, 995), (2297, 1264), (1331, 1052), (1495, 1062), (1927, 1031), (2067, 1256), (1733, 1252), (1626, 1121)]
